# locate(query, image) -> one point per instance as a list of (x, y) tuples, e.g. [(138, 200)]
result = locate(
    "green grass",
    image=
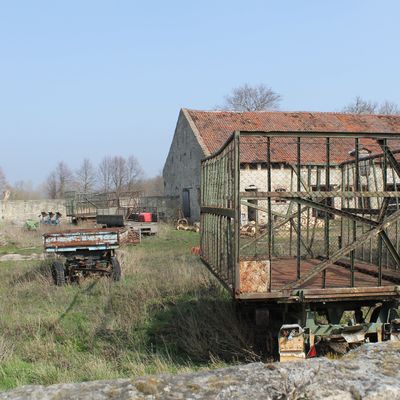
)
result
[(168, 314), (13, 249)]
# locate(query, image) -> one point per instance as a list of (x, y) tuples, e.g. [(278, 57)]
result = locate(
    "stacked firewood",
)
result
[(183, 225), (251, 229)]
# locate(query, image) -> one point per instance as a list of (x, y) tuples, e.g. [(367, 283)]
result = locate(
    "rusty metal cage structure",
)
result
[(314, 215), (87, 205)]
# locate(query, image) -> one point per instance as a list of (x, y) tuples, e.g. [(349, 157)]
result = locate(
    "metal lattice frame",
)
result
[(328, 210)]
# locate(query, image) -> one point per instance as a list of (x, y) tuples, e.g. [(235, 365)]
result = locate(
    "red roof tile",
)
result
[(215, 127)]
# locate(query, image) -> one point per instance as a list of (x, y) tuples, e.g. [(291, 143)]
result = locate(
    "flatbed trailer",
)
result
[(323, 214), (78, 253)]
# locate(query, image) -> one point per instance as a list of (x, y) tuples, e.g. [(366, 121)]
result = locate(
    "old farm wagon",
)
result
[(78, 253), (310, 247)]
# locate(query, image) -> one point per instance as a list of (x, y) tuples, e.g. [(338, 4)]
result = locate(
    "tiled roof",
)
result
[(215, 127)]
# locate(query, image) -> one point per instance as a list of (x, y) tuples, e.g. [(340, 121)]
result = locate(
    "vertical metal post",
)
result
[(380, 244), (269, 213), (237, 210), (357, 164), (356, 185), (327, 216), (308, 208), (352, 257), (298, 210), (343, 188), (394, 178), (348, 188), (289, 211)]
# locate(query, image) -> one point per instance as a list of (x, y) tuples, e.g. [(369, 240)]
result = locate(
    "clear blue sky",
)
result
[(94, 78)]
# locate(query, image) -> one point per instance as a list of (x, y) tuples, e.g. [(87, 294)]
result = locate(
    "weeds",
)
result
[(168, 314)]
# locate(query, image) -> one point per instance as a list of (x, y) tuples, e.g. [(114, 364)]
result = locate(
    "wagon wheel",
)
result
[(58, 272), (116, 269)]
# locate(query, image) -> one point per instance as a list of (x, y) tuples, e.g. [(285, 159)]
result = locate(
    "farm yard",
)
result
[(167, 314)]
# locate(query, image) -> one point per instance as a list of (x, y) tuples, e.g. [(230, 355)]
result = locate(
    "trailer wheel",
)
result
[(116, 269), (58, 272)]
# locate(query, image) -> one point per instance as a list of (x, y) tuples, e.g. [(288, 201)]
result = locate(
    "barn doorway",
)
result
[(186, 203)]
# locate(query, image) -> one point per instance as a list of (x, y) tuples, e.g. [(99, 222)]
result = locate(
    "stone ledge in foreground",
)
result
[(369, 372)]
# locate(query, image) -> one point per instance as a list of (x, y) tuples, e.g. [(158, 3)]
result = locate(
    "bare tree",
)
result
[(3, 183), (153, 186), (252, 98), (65, 178), (389, 108), (59, 181), (24, 190), (361, 106), (134, 172), (118, 173), (104, 174), (85, 177), (51, 185)]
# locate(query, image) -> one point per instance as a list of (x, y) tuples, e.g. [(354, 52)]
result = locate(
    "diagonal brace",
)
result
[(333, 210), (344, 251), (391, 158)]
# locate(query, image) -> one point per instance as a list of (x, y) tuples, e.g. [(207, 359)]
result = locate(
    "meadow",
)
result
[(168, 314)]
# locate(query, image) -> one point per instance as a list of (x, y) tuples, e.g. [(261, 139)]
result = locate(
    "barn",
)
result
[(199, 134)]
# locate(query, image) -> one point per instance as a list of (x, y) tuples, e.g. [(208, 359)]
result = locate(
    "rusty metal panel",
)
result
[(254, 276), (84, 238)]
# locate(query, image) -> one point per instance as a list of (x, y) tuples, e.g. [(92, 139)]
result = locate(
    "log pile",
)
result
[(183, 225), (251, 229)]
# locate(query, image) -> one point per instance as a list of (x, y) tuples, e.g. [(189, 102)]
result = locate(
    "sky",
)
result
[(93, 78)]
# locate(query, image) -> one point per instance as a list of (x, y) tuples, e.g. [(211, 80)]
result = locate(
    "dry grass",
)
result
[(167, 314)]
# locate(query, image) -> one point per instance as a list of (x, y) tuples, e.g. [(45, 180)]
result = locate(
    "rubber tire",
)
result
[(116, 269), (58, 271)]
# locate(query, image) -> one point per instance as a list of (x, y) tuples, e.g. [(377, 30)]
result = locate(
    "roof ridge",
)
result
[(290, 112)]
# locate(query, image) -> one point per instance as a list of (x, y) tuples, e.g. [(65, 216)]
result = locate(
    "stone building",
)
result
[(200, 133)]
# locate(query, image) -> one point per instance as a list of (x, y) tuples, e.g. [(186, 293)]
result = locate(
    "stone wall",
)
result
[(370, 373), (18, 211), (182, 167)]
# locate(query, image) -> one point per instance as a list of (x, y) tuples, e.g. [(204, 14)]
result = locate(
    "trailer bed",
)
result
[(284, 272), (295, 225), (84, 239), (337, 287)]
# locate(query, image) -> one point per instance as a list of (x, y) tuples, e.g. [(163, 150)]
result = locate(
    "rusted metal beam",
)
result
[(327, 215), (286, 219), (236, 202), (390, 156), (308, 249), (314, 134), (317, 194), (269, 207), (327, 294), (335, 211), (344, 251)]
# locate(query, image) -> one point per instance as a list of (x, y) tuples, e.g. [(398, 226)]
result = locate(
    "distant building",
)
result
[(201, 133)]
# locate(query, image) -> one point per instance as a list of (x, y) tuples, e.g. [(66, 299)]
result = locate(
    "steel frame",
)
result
[(221, 201)]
